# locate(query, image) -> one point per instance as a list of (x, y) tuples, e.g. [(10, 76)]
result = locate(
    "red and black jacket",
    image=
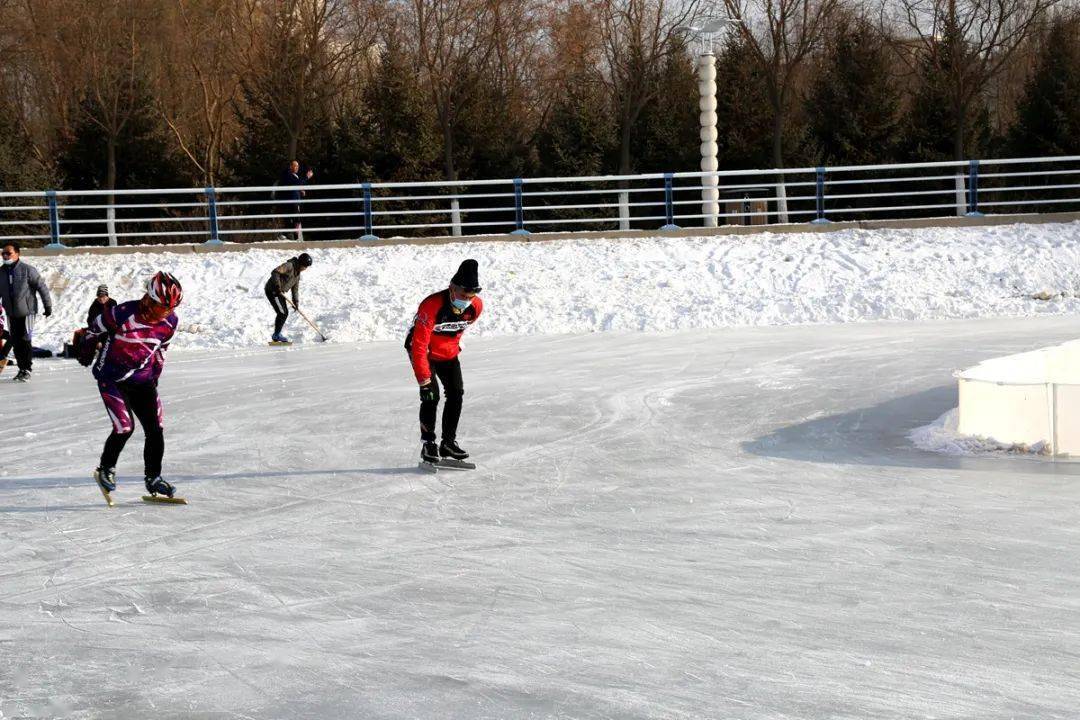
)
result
[(436, 331)]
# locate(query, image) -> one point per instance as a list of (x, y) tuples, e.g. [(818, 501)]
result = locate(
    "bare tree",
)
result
[(453, 43), (302, 53), (638, 37), (199, 76), (782, 34), (967, 43)]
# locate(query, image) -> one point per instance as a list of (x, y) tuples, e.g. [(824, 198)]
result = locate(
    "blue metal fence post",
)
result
[(820, 219), (54, 222), (368, 234), (211, 205), (973, 189), (669, 205), (519, 211)]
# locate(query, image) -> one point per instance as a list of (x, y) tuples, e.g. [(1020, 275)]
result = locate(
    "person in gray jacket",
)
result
[(20, 287), (285, 279)]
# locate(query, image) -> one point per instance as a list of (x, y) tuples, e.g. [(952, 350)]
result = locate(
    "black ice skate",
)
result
[(450, 449), (452, 456), (429, 456), (106, 481), (161, 491)]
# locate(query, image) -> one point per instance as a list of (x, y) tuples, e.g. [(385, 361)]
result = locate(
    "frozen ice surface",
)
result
[(699, 524)]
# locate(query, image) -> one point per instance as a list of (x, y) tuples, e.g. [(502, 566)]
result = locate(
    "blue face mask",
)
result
[(461, 304)]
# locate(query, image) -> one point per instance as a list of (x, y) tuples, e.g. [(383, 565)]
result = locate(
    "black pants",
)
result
[(277, 301), (290, 216), (142, 401), (448, 372), (18, 339)]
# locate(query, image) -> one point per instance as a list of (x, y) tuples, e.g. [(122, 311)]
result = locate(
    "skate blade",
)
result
[(452, 464), (164, 500), (279, 344), (429, 466), (108, 497)]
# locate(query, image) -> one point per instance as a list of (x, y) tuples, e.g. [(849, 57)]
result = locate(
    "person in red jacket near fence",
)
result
[(433, 344)]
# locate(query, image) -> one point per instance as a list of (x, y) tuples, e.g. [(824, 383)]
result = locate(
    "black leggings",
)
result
[(449, 373), (142, 401), (277, 301)]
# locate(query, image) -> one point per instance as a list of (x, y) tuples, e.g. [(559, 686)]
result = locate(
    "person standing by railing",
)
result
[(289, 196), (20, 287)]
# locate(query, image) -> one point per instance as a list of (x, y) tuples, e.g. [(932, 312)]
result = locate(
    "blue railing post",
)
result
[(820, 196), (519, 211), (669, 205), (973, 189), (54, 221), (211, 206), (368, 234)]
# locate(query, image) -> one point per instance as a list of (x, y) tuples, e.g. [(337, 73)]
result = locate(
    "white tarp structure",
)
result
[(1028, 398)]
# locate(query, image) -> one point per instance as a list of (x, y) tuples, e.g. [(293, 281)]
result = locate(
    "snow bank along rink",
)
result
[(577, 286)]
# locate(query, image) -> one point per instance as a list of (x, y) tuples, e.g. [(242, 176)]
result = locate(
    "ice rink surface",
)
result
[(704, 524)]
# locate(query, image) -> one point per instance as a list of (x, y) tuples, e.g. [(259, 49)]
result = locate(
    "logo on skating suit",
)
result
[(451, 327)]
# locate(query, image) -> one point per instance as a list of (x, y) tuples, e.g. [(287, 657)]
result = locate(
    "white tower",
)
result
[(710, 196)]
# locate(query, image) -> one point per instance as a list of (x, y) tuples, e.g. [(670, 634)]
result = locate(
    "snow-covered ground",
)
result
[(698, 524), (587, 285)]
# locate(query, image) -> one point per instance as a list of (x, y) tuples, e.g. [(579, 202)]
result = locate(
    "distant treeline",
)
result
[(158, 93)]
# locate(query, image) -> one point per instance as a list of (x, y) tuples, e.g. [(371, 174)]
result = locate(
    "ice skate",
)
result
[(106, 481)]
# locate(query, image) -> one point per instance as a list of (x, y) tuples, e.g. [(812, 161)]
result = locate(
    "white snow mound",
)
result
[(941, 436), (588, 285)]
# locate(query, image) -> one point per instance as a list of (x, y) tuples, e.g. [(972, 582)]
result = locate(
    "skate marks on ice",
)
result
[(620, 554)]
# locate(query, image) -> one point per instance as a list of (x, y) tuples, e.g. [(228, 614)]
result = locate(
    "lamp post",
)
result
[(706, 67)]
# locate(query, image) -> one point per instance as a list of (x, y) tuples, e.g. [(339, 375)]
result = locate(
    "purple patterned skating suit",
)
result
[(131, 359)]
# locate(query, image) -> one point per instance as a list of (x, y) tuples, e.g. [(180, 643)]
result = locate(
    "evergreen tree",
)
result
[(744, 118), (934, 119), (144, 156), (666, 137), (1048, 117), (853, 107), (388, 135), (578, 136)]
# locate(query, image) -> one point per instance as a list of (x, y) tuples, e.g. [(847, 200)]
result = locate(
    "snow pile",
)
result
[(941, 436), (588, 285)]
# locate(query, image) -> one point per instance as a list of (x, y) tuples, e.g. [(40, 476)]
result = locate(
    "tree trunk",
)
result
[(110, 167), (110, 184), (448, 150)]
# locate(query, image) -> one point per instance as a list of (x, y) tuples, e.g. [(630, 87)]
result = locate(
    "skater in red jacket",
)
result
[(433, 346)]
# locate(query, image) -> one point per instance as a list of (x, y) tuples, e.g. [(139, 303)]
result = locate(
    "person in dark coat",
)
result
[(101, 303), (20, 287), (291, 183), (285, 279)]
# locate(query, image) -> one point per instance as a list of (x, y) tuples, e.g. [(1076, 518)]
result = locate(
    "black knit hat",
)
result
[(467, 276), (305, 260)]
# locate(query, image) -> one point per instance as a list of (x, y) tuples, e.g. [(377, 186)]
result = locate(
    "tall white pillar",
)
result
[(710, 196)]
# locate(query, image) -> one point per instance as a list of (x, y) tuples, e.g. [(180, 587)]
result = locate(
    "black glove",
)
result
[(429, 392), (48, 312)]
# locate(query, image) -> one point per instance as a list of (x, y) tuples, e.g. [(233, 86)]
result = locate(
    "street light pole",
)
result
[(710, 195), (706, 67)]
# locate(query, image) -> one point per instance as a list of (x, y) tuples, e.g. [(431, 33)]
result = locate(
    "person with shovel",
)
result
[(285, 279)]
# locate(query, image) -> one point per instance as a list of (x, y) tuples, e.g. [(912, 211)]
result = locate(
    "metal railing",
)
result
[(459, 208)]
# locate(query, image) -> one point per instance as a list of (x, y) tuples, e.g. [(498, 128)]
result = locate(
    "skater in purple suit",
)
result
[(134, 337)]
